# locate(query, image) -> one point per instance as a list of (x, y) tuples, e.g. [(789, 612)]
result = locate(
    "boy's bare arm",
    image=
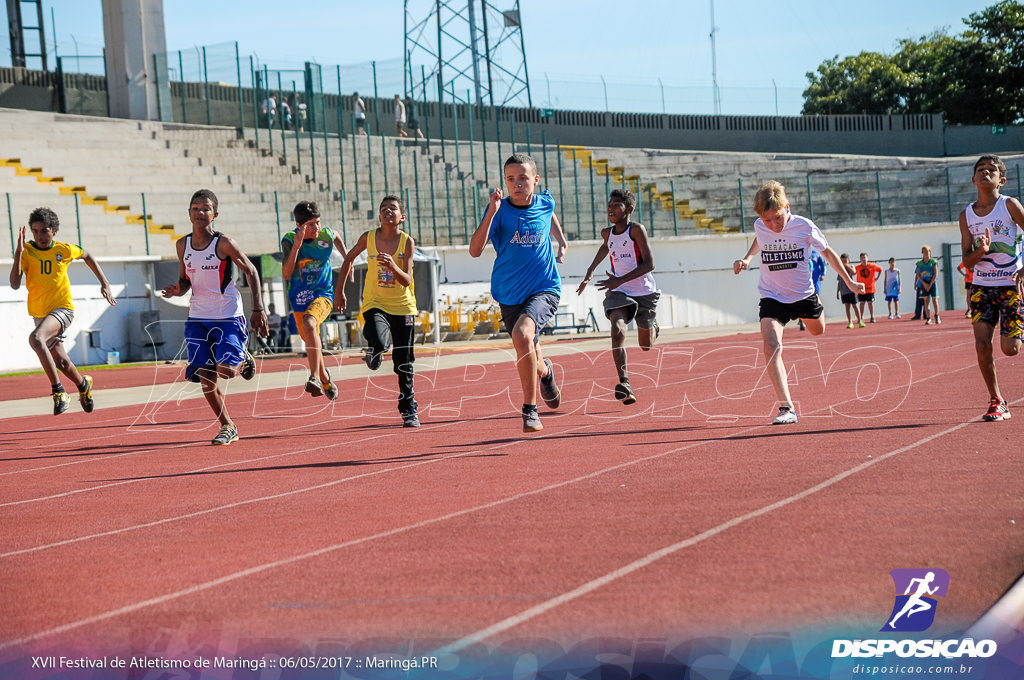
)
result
[(182, 285), (258, 319), (98, 271), (744, 262), (479, 239), (559, 236), (340, 299), (16, 265), (291, 254), (973, 250), (837, 264), (602, 252)]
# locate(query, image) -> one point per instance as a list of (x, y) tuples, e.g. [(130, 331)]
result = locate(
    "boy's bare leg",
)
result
[(618, 319), (771, 333), (314, 349), (214, 397), (646, 338), (64, 364), (528, 360), (849, 314), (983, 345), (1010, 346), (815, 326), (38, 340)]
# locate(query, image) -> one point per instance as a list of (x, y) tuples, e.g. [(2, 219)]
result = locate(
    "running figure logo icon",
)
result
[(914, 609)]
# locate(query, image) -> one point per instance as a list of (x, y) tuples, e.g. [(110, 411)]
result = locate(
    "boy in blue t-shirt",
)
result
[(307, 269), (525, 280)]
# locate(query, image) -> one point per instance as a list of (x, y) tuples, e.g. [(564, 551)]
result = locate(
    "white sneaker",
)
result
[(787, 416)]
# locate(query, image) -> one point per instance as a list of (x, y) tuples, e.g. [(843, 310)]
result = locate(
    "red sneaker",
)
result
[(997, 410)]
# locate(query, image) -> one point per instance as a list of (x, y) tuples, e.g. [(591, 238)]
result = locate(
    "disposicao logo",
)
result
[(914, 611), (916, 590)]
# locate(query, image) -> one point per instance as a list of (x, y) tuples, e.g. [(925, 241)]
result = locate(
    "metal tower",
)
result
[(460, 46), (18, 29)]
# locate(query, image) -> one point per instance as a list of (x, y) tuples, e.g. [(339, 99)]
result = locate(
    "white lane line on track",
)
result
[(636, 565)]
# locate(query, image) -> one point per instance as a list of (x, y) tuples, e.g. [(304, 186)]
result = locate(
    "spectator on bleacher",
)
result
[(867, 273), (44, 262), (990, 240), (525, 280), (306, 267), (389, 300), (286, 115), (359, 112), (629, 289), (215, 334), (414, 123), (785, 281), (400, 117), (268, 109)]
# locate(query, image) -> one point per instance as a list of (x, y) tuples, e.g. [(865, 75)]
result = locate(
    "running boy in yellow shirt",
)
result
[(44, 262)]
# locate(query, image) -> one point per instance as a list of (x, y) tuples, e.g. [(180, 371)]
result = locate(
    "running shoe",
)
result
[(927, 322), (890, 316), (861, 324), (412, 420), (624, 393), (331, 390), (898, 316), (938, 319), (228, 433), (61, 401), (248, 368), (849, 325), (531, 420), (872, 320), (372, 361), (548, 389), (997, 411), (787, 416), (85, 396), (314, 386)]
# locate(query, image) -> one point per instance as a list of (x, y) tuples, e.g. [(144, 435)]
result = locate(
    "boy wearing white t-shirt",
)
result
[(785, 241), (630, 291), (990, 239)]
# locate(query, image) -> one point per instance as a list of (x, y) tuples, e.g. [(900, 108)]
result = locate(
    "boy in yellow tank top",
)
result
[(389, 300), (44, 262)]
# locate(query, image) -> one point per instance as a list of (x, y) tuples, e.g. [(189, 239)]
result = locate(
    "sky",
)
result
[(652, 55)]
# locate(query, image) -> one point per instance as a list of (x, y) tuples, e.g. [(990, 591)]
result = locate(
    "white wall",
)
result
[(694, 274)]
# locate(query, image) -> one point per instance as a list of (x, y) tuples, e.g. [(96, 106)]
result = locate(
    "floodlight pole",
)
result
[(714, 65)]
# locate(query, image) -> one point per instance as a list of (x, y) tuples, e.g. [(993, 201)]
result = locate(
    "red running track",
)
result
[(684, 514)]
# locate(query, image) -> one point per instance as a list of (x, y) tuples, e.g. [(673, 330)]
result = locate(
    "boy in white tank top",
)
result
[(990, 239), (630, 291), (215, 333)]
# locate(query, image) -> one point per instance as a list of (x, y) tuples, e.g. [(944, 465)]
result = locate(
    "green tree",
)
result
[(976, 77), (867, 83)]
